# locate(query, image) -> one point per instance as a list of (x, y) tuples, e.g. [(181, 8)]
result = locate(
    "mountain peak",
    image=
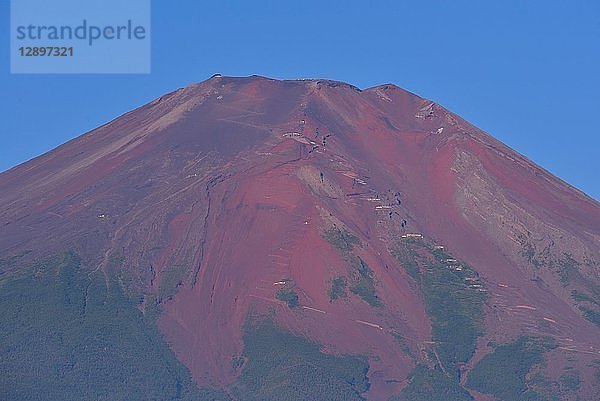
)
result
[(373, 222)]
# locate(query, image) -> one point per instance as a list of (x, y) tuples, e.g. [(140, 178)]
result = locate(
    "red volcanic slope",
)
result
[(224, 177)]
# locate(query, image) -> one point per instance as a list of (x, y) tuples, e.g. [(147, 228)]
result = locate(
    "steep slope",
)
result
[(372, 222)]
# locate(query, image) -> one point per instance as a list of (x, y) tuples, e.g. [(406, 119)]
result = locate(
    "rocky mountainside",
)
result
[(268, 240)]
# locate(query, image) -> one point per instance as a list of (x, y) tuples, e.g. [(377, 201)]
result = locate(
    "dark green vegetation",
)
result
[(341, 239), (281, 366), (571, 381), (170, 279), (289, 296), (363, 284), (503, 373), (565, 266), (68, 335), (454, 298), (404, 253), (427, 384), (528, 250), (591, 315), (337, 289), (362, 278), (579, 296), (591, 307), (596, 364), (456, 311)]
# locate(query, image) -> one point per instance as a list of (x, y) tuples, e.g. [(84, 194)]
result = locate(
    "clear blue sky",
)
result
[(528, 72)]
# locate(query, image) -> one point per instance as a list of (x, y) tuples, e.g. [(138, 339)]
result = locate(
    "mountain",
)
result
[(256, 239)]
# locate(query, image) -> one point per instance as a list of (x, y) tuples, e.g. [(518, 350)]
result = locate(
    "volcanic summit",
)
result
[(257, 239)]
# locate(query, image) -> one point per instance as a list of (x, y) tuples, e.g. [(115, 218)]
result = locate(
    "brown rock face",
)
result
[(215, 197)]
